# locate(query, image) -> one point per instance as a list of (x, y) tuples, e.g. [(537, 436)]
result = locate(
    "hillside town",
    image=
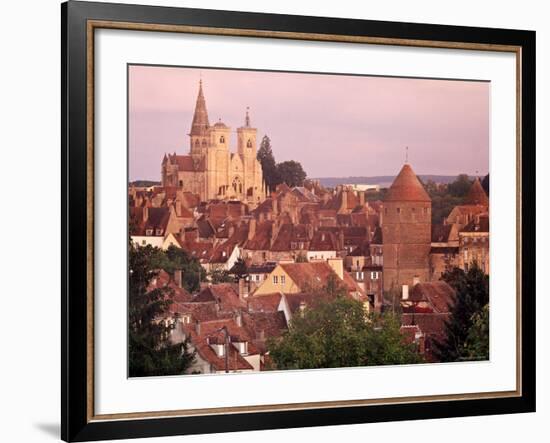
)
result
[(265, 253)]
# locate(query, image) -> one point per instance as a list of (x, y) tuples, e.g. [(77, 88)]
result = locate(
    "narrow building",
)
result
[(406, 232)]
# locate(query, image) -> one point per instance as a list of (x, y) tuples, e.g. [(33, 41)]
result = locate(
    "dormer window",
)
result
[(148, 232), (159, 231)]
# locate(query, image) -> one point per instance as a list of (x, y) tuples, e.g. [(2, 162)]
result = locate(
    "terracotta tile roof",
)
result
[(164, 280), (186, 163), (476, 195), (363, 250), (200, 250), (432, 325), (262, 238), (438, 294), (324, 241), (440, 233), (223, 294), (264, 303), (377, 237), (206, 230), (407, 187), (264, 268), (312, 275), (235, 361), (157, 219), (272, 324)]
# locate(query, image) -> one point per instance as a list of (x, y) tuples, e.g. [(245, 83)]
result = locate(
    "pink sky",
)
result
[(335, 125)]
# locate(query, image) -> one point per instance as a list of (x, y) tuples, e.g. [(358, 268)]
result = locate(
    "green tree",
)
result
[(476, 346), (291, 173), (175, 258), (460, 187), (337, 333), (267, 160), (218, 276), (472, 294), (151, 353)]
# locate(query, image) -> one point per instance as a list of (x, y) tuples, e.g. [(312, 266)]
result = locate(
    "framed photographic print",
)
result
[(277, 221)]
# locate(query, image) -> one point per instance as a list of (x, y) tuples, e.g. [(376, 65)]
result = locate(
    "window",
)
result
[(413, 210), (222, 139), (283, 279), (374, 275), (143, 242), (159, 231), (275, 280), (181, 182), (248, 144), (148, 232)]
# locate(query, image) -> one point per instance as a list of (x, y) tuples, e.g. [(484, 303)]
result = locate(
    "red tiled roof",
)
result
[(440, 233), (476, 195), (438, 294), (264, 303), (407, 187), (186, 163)]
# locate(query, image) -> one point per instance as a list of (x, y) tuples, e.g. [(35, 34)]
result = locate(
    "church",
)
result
[(211, 170)]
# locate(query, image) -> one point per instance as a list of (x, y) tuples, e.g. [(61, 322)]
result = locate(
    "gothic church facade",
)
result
[(210, 169)]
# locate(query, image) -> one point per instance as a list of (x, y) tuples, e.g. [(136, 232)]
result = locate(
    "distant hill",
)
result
[(382, 180), (144, 183)]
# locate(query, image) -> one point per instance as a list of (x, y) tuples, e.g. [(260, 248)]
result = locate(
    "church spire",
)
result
[(247, 118), (200, 118)]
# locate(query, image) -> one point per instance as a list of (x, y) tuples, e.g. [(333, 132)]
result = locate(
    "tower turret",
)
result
[(200, 125), (406, 231)]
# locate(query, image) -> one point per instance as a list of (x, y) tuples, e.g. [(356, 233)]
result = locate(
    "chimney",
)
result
[(238, 319), (145, 213), (261, 335), (309, 231), (344, 205), (337, 265), (251, 228), (178, 277), (198, 327), (178, 205), (341, 239), (361, 195), (261, 217), (243, 289), (275, 204), (243, 209), (230, 231), (405, 292)]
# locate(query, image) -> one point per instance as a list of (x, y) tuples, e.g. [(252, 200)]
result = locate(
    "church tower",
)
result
[(246, 139), (406, 232), (199, 127)]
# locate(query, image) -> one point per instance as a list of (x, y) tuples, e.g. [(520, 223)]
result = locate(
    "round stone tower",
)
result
[(406, 232)]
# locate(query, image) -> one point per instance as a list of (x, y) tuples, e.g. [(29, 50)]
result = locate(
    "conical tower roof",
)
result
[(200, 118), (407, 187), (476, 195)]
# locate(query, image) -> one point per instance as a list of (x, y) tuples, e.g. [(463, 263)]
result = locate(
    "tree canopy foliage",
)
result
[(472, 296), (337, 332), (289, 172), (150, 350), (175, 258)]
